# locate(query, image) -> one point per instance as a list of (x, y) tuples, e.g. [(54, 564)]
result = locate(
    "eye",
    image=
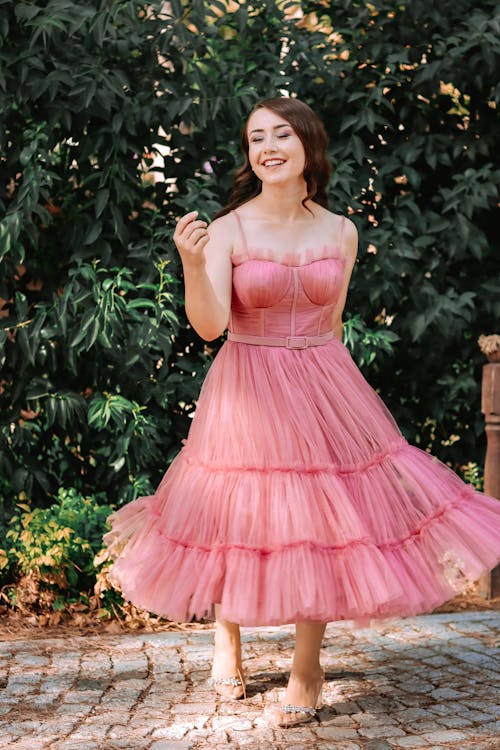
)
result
[(284, 135), (256, 140)]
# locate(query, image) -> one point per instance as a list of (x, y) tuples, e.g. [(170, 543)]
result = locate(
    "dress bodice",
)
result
[(285, 298)]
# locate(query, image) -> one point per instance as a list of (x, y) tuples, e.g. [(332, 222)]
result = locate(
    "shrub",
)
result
[(473, 474), (50, 551)]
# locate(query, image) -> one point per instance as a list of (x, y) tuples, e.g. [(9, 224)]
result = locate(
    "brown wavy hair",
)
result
[(314, 139)]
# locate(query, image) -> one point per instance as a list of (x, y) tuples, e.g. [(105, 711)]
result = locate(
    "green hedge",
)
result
[(100, 373)]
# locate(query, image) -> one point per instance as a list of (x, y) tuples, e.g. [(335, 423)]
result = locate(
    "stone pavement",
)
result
[(426, 682)]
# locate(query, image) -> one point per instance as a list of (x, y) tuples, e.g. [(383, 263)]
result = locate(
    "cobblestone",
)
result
[(423, 683)]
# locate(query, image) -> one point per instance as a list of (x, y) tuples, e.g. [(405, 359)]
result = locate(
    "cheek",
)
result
[(301, 156), (253, 157), (296, 152)]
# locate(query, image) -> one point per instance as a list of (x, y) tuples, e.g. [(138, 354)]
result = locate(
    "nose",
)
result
[(270, 142)]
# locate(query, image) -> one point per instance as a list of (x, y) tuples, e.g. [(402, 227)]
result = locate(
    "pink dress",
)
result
[(295, 495)]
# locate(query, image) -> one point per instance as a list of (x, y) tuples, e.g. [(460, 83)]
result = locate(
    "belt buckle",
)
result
[(296, 342)]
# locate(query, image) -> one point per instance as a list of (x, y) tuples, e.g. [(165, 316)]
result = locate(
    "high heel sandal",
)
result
[(292, 716), (230, 688)]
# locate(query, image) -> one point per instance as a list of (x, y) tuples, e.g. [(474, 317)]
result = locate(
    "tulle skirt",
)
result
[(295, 497)]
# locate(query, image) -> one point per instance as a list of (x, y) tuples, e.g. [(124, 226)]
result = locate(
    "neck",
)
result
[(283, 202)]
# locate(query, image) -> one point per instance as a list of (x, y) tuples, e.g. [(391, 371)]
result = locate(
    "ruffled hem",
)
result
[(305, 580)]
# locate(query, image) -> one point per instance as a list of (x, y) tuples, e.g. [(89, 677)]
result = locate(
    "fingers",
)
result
[(184, 221), (194, 227), (190, 234), (201, 242), (187, 226), (196, 235)]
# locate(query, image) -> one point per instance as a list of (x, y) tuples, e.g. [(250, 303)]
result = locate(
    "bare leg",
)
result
[(306, 673), (227, 647)]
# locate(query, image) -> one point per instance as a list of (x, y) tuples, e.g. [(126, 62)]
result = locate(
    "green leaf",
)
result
[(94, 231), (349, 122), (140, 303), (101, 200), (25, 12)]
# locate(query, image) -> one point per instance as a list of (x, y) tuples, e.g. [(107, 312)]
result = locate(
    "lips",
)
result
[(272, 162)]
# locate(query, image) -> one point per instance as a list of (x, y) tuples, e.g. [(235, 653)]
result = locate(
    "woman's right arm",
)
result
[(206, 261)]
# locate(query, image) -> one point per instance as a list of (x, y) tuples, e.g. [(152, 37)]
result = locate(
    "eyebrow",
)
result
[(276, 127)]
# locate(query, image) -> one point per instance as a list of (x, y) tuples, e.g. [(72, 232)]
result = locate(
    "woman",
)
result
[(295, 497)]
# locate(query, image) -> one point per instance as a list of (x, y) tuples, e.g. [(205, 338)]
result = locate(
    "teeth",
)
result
[(273, 162)]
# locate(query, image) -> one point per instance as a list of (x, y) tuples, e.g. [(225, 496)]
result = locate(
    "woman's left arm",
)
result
[(350, 251)]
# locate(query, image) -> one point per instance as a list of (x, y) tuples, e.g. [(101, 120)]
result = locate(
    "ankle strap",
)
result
[(225, 681)]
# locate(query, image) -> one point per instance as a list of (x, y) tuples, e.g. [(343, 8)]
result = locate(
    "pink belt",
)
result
[(290, 342)]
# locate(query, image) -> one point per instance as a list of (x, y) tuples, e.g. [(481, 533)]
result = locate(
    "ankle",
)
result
[(227, 653), (226, 638), (307, 674), (225, 664), (224, 643)]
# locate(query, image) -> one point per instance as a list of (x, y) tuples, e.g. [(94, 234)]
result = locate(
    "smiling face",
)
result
[(275, 151)]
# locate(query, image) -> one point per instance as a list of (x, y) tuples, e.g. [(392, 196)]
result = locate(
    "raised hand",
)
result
[(190, 238)]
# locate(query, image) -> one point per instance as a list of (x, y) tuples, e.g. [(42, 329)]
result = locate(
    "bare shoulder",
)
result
[(221, 226), (340, 225), (335, 221), (350, 238), (221, 232)]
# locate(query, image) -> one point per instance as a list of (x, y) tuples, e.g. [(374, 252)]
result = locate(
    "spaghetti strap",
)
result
[(242, 234), (342, 225)]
